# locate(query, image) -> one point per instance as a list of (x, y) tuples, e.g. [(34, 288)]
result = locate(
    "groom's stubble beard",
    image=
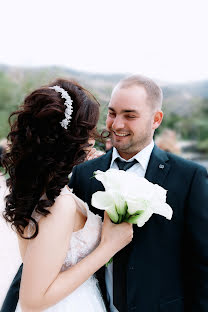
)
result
[(134, 144)]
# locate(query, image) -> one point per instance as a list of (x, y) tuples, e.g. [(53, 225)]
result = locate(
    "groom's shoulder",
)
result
[(91, 163), (176, 161), (96, 163), (182, 163)]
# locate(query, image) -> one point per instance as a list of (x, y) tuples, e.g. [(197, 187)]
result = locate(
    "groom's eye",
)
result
[(111, 114), (130, 116)]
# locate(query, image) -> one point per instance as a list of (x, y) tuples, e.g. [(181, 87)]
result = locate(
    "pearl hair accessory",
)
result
[(68, 103)]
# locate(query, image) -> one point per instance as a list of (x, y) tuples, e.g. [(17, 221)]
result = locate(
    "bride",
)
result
[(62, 243)]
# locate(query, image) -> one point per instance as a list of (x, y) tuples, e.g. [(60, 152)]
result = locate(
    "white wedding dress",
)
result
[(86, 297)]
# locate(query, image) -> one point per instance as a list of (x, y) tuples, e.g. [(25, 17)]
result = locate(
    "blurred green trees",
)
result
[(192, 126), (9, 100), (201, 123)]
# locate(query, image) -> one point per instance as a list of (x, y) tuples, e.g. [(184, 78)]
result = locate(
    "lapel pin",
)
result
[(161, 166)]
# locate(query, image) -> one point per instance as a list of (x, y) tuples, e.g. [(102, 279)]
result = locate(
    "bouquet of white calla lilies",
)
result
[(130, 198)]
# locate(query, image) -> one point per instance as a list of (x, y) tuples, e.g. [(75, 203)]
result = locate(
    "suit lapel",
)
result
[(102, 164), (105, 161), (158, 166)]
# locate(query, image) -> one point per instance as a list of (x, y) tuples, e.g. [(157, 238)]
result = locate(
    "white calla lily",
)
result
[(102, 200), (129, 197), (160, 193), (135, 204), (110, 179), (144, 217), (158, 203), (105, 201), (134, 219), (163, 210), (120, 202)]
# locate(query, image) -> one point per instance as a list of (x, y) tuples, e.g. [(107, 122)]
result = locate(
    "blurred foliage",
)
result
[(10, 95), (201, 124), (192, 126)]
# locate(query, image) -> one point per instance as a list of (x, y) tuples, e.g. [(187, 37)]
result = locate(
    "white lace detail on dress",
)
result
[(84, 241)]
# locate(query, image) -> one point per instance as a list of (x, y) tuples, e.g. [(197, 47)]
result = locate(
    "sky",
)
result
[(162, 39)]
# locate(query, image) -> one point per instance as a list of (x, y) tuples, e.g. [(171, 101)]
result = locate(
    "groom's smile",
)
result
[(120, 134)]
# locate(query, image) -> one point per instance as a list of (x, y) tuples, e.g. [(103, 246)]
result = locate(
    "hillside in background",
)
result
[(175, 95), (185, 105)]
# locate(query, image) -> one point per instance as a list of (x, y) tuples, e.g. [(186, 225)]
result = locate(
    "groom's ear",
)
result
[(158, 117)]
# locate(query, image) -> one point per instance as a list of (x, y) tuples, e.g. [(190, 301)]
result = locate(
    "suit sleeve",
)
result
[(12, 297), (74, 182), (77, 182), (197, 242)]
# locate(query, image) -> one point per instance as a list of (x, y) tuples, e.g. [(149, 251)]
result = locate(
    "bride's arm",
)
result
[(42, 282)]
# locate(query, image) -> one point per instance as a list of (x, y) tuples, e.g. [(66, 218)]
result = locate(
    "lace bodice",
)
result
[(82, 242)]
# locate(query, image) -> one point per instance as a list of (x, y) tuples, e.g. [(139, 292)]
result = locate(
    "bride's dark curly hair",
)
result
[(42, 153)]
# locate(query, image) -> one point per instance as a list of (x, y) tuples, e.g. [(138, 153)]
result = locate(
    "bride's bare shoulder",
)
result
[(64, 204)]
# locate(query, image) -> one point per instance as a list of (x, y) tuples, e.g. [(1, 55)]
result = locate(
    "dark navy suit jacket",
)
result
[(165, 267)]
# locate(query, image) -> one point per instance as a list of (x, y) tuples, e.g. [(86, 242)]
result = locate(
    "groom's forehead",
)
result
[(128, 100), (123, 110), (128, 94)]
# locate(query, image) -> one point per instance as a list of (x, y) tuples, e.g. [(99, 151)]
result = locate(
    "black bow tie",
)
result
[(124, 165)]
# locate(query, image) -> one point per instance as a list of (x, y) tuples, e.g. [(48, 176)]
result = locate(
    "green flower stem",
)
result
[(109, 262), (126, 218), (127, 215), (120, 217)]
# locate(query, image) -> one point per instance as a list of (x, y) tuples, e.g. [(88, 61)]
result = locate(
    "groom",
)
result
[(165, 267)]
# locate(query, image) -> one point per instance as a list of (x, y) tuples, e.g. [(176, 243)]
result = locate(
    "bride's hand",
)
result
[(115, 236)]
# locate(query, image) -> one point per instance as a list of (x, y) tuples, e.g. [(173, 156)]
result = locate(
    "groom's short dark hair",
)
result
[(154, 92)]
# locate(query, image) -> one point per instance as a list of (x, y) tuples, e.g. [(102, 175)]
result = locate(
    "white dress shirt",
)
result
[(139, 168)]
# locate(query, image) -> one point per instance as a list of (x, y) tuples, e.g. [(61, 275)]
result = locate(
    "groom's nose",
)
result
[(118, 123)]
